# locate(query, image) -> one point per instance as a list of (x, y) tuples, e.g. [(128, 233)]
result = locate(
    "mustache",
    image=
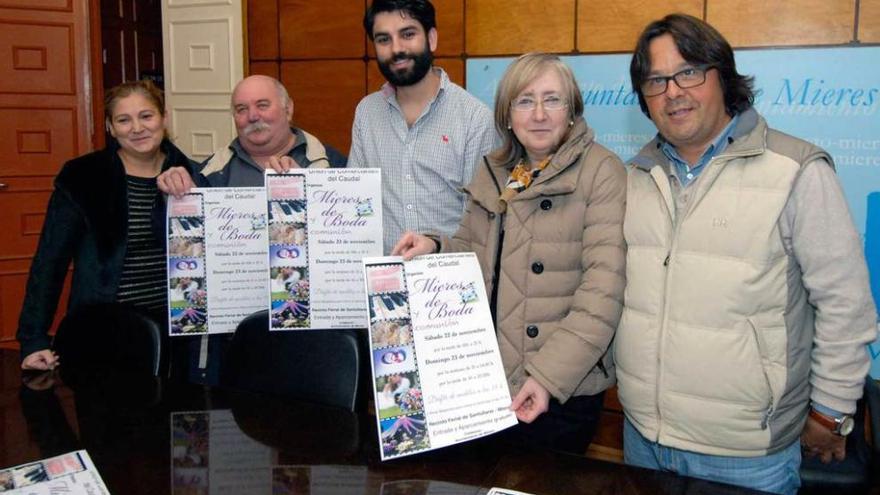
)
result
[(677, 104), (399, 57), (256, 127)]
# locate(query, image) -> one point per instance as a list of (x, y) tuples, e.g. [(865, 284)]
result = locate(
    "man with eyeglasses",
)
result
[(747, 308), (425, 132)]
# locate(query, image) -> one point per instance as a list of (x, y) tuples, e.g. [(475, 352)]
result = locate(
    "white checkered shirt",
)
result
[(424, 167)]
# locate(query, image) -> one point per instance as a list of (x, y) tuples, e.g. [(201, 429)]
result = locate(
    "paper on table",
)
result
[(505, 491), (73, 473)]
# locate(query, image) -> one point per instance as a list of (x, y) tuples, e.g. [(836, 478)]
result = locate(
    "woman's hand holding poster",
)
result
[(437, 370)]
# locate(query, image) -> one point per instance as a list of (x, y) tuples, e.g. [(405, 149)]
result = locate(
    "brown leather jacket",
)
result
[(561, 272)]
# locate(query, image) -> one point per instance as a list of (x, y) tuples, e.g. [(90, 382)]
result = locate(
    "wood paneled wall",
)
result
[(320, 52)]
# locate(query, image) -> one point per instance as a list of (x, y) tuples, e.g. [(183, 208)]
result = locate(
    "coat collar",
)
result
[(96, 184), (492, 175), (749, 139)]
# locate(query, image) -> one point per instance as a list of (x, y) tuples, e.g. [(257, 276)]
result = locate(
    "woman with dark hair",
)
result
[(100, 216), (545, 218)]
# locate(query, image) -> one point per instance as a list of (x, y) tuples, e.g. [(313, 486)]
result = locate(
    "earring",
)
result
[(509, 128), (570, 123)]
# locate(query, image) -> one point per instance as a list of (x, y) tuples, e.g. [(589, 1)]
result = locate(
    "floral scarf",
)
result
[(520, 179)]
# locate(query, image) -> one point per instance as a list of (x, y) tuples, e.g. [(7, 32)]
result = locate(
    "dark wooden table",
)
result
[(151, 436)]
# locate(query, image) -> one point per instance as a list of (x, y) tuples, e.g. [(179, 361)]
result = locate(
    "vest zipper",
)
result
[(663, 315)]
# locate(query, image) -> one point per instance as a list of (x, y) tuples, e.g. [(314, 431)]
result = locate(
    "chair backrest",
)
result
[(319, 366), (110, 336), (332, 432), (853, 474), (872, 398)]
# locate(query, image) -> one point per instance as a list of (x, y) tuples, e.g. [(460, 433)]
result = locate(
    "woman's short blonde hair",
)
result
[(525, 69)]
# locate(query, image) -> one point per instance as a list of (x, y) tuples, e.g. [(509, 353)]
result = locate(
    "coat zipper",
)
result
[(601, 366), (496, 269), (496, 274)]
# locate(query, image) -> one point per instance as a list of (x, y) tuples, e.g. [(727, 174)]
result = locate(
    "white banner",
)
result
[(322, 223), (438, 377), (217, 259)]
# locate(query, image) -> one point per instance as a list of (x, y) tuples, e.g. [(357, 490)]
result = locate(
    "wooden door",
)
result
[(131, 33), (45, 119), (204, 59)]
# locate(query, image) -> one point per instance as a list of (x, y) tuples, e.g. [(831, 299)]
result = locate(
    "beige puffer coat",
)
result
[(562, 270)]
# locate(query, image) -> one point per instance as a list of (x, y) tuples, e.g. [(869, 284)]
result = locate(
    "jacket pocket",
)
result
[(605, 364), (772, 368)]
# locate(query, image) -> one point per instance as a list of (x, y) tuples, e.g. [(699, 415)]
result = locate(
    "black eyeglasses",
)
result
[(685, 78)]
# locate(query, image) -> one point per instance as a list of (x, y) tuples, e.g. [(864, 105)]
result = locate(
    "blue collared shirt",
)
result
[(685, 173)]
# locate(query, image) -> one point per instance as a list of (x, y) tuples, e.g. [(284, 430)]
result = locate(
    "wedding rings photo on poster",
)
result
[(288, 252), (398, 392), (187, 283)]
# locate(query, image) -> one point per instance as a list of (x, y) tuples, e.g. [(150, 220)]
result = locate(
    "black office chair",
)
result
[(853, 474), (319, 366), (111, 336)]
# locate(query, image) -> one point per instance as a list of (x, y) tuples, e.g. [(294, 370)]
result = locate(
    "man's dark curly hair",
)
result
[(699, 43), (420, 10)]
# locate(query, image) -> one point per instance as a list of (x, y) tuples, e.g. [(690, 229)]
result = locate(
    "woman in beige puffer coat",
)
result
[(545, 218)]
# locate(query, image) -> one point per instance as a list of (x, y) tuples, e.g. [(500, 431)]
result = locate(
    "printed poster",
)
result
[(322, 223), (217, 252), (438, 377), (73, 473)]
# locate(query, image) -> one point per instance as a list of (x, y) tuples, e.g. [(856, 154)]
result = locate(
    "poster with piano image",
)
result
[(437, 373), (217, 258), (322, 223)]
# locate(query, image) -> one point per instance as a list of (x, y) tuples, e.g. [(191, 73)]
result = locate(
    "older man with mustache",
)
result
[(262, 110)]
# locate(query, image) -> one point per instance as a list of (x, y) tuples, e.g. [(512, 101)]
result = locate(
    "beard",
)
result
[(421, 65)]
